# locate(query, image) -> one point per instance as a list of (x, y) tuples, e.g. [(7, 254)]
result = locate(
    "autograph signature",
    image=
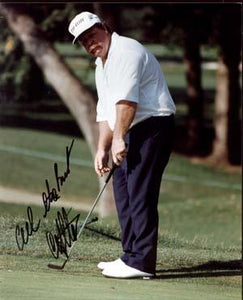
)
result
[(52, 195), (66, 234), (22, 233)]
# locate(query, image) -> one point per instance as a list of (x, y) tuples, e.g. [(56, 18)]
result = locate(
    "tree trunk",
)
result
[(234, 123), (226, 146), (220, 148), (227, 143), (192, 61), (74, 94)]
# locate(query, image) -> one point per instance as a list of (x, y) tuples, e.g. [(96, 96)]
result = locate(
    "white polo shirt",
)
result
[(131, 73)]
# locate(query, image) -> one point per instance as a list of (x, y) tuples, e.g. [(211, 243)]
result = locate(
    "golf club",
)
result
[(61, 267)]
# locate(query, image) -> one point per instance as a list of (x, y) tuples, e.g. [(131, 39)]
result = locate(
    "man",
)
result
[(136, 121)]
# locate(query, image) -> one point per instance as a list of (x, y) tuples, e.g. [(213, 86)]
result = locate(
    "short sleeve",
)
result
[(100, 107), (125, 80), (100, 110)]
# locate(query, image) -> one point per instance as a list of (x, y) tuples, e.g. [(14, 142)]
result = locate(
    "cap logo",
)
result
[(81, 23), (76, 24)]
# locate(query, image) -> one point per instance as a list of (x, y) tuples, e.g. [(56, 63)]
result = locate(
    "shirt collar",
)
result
[(114, 38)]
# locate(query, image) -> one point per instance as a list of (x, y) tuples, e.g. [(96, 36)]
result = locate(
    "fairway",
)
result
[(199, 247), (56, 285)]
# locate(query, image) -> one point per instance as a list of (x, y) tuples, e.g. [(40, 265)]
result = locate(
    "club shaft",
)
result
[(86, 221), (89, 214), (91, 210)]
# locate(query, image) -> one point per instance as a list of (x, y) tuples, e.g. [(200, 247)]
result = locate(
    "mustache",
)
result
[(93, 48)]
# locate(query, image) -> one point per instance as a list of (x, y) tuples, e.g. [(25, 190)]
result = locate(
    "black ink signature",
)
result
[(52, 195), (61, 179), (66, 234), (22, 234)]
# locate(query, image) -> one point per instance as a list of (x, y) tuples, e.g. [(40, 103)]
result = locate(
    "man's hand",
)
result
[(104, 145), (118, 150), (125, 112), (101, 162)]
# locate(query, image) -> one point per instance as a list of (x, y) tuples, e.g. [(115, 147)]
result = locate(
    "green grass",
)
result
[(37, 170), (77, 286), (199, 247), (26, 274)]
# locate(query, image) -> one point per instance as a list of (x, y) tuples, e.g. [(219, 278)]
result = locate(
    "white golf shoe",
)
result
[(102, 265), (121, 270)]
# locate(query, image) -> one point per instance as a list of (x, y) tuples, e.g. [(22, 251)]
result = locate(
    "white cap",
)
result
[(81, 23)]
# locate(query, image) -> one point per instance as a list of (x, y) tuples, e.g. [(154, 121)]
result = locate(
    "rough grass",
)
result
[(186, 269)]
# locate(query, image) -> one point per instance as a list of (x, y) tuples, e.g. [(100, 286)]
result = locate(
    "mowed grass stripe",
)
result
[(89, 164), (45, 155), (61, 285)]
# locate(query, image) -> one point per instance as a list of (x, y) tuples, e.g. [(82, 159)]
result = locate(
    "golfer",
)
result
[(135, 113)]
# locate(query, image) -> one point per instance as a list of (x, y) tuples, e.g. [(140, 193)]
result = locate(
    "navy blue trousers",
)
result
[(136, 186)]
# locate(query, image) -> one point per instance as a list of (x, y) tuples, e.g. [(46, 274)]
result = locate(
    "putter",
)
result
[(61, 267)]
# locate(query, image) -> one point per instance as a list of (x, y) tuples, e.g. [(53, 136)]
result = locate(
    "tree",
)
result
[(74, 94), (184, 26), (192, 61), (17, 71), (226, 146), (220, 24)]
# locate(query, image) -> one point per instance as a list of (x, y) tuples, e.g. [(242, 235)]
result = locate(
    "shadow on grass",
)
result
[(209, 269), (107, 235)]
